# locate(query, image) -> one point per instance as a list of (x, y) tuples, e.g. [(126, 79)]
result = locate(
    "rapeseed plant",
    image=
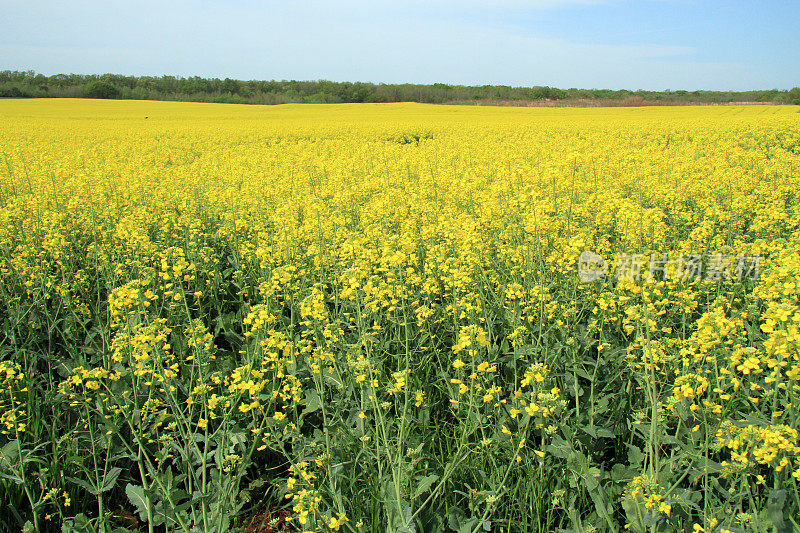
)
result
[(371, 317)]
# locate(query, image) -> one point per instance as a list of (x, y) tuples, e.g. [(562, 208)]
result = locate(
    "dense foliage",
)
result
[(196, 89), (370, 318)]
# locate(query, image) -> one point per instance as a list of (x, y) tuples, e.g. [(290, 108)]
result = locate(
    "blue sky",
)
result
[(644, 44)]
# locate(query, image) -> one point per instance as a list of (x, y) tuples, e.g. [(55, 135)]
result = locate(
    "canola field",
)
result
[(398, 318)]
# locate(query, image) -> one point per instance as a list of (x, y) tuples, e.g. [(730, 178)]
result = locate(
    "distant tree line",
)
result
[(29, 84)]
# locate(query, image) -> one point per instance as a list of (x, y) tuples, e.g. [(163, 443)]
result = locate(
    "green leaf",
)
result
[(669, 439), (9, 452), (468, 526), (635, 455), (111, 479), (777, 499), (80, 523), (312, 404), (599, 432), (15, 479), (455, 517), (425, 484), (559, 448), (138, 499), (81, 483)]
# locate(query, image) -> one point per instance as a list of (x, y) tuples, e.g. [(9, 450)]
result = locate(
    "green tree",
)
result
[(794, 96), (101, 89)]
